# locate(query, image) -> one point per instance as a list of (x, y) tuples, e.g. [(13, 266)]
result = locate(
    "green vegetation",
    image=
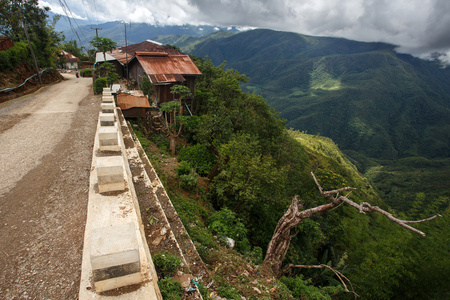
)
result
[(386, 110), (258, 167), (198, 158), (99, 84), (16, 14), (87, 72), (166, 262), (170, 289), (14, 56)]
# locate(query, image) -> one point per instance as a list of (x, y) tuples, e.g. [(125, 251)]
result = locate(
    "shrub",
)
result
[(202, 236), (167, 262), (87, 72), (170, 289), (199, 157), (303, 289), (99, 84), (228, 292), (189, 182), (225, 224), (184, 168), (256, 256), (11, 57)]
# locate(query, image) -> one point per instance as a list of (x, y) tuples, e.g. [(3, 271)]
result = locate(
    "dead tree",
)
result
[(281, 238)]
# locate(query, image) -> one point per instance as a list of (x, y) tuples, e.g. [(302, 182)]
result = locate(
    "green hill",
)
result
[(379, 106), (364, 96)]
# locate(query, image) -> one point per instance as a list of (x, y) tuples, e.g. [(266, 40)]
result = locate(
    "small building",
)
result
[(69, 61), (5, 43), (133, 106), (119, 64), (164, 71), (121, 56)]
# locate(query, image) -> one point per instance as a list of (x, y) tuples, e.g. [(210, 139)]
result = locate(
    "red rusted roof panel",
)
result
[(69, 57), (148, 46), (171, 68), (127, 101)]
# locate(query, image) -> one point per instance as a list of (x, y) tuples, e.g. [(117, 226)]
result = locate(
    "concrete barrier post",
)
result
[(110, 174), (115, 257), (107, 107), (107, 98), (108, 138), (107, 119)]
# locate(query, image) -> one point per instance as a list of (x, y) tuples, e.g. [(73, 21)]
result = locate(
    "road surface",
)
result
[(46, 142)]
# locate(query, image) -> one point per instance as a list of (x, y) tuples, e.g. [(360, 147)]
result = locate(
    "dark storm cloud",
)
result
[(416, 26)]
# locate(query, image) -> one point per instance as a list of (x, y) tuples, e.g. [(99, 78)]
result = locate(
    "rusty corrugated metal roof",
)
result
[(127, 101), (170, 68), (69, 57), (149, 46), (124, 53)]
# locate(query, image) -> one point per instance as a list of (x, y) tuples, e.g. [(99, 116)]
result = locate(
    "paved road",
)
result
[(46, 142)]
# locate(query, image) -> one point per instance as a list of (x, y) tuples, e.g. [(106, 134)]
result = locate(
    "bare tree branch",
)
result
[(365, 207), (294, 215), (338, 274)]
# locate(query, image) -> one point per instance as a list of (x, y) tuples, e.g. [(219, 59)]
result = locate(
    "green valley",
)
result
[(378, 105)]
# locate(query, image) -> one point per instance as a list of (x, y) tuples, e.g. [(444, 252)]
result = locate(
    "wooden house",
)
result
[(164, 71), (69, 61)]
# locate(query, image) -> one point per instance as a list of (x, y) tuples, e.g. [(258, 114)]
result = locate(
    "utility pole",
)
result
[(126, 51), (96, 30), (32, 53)]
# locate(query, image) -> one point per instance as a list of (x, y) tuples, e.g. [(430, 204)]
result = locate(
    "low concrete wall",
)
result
[(115, 252)]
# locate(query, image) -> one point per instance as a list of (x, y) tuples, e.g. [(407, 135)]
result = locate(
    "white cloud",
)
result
[(417, 26)]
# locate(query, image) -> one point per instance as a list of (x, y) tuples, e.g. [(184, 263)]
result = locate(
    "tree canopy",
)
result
[(15, 14)]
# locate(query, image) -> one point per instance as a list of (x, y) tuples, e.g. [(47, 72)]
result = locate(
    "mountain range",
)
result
[(389, 112), (83, 31)]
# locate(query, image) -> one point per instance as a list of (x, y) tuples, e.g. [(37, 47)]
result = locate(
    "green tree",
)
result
[(15, 14), (146, 87), (72, 48), (170, 110), (103, 45)]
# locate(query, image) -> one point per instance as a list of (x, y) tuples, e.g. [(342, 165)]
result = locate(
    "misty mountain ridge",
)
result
[(389, 112), (136, 32), (378, 105)]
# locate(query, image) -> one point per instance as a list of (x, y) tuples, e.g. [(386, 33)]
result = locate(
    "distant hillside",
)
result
[(379, 106), (136, 32), (364, 96)]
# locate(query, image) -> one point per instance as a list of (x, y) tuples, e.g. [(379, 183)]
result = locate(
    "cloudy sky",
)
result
[(416, 26)]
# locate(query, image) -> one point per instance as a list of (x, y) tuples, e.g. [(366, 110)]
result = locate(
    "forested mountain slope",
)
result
[(389, 112), (364, 96)]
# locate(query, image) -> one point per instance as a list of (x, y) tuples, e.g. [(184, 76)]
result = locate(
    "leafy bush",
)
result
[(146, 86), (225, 224), (170, 289), (256, 255), (202, 236), (87, 72), (303, 289), (189, 182), (99, 84), (199, 157), (228, 292), (184, 168), (11, 57), (167, 262)]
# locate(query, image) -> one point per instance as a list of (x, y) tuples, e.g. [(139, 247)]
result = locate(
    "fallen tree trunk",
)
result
[(281, 238)]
